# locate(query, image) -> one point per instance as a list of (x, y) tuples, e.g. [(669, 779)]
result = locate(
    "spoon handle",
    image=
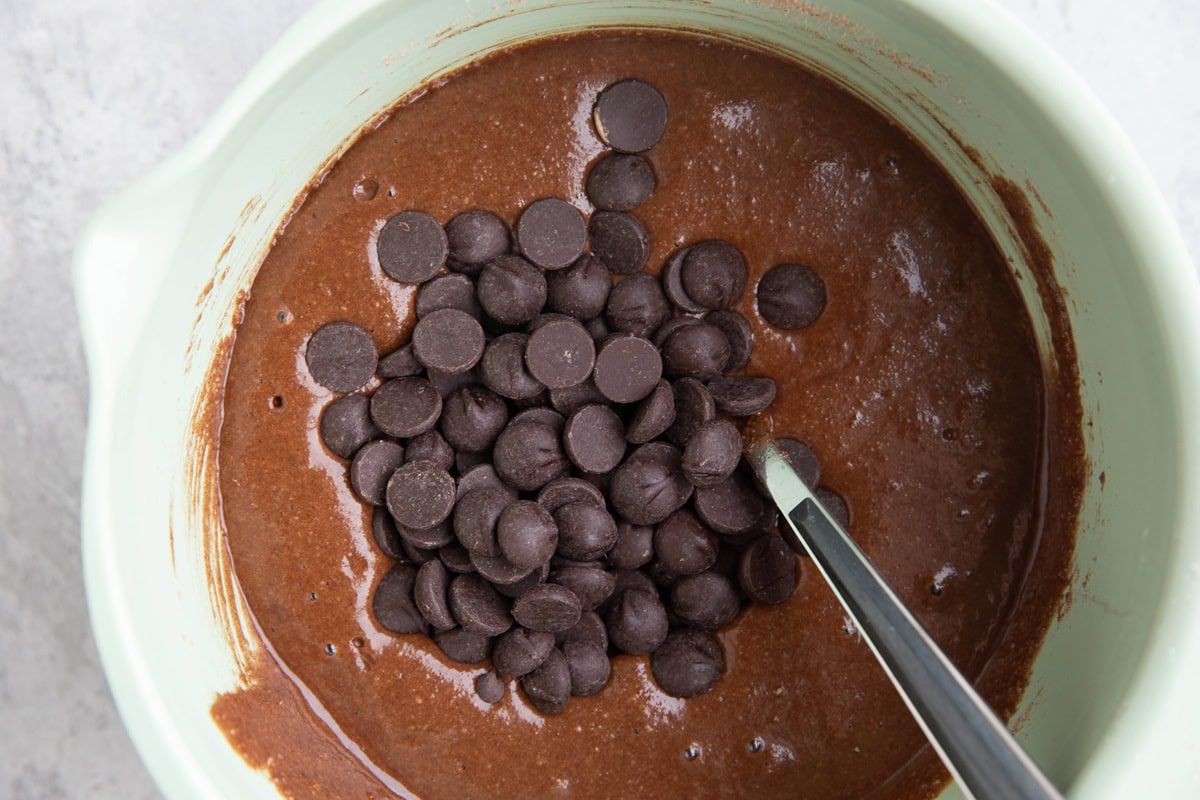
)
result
[(974, 745)]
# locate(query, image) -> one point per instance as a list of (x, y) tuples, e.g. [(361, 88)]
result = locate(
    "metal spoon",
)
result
[(974, 745)]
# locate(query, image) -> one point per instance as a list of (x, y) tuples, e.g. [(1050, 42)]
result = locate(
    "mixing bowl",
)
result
[(1111, 709)]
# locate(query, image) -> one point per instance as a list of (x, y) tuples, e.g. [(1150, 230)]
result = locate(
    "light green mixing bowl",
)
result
[(1112, 710)]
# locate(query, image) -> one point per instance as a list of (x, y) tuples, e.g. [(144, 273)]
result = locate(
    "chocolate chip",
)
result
[(551, 233), (672, 281), (463, 646), (502, 368), (405, 407), (634, 547), (527, 534), (672, 325), (371, 469), (695, 351), (802, 458), (594, 439), (346, 425), (694, 406), (567, 401), (592, 586), (400, 363), (521, 651), (517, 588), (447, 291), (653, 416), (637, 622), (632, 579), (739, 334), (412, 247), (472, 419), (590, 628), (741, 395), (620, 241), (499, 571), (712, 453), (791, 296), (637, 305), (475, 238), (430, 446), (767, 570), (708, 600), (713, 274), (732, 506), (429, 593), (557, 493), (544, 416), (447, 383), (589, 667), (383, 531), (650, 484), (456, 558), (598, 328), (560, 353), (433, 538), (511, 290), (585, 530), (476, 516), (661, 575), (684, 545), (547, 607), (489, 687), (627, 368), (835, 504), (620, 182), (549, 686), (420, 494), (580, 290), (630, 115), (528, 455), (688, 663), (393, 604), (482, 476), (478, 607), (448, 340), (341, 356)]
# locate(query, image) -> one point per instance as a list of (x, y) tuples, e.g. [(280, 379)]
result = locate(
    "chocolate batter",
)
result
[(919, 387)]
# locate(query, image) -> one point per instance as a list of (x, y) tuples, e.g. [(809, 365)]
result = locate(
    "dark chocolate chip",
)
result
[(456, 558), (694, 406), (412, 247), (405, 407), (585, 530), (634, 547), (463, 646), (695, 351), (594, 439), (650, 484), (549, 686), (478, 607), (637, 622), (598, 328), (499, 571), (803, 460), (482, 476), (630, 115), (627, 368), (672, 281), (567, 401), (521, 651), (637, 305), (414, 554), (767, 570), (629, 579), (429, 592), (620, 182), (791, 296), (590, 628), (620, 241), (475, 238), (420, 494), (393, 604), (528, 455), (371, 469), (545, 318), (661, 576), (712, 453), (400, 363), (346, 425), (511, 290), (732, 506), (433, 538), (653, 416), (448, 340), (672, 325), (447, 383), (713, 274), (430, 446), (447, 291), (688, 663), (517, 588), (684, 545), (551, 233), (544, 416), (527, 534), (472, 419), (383, 531), (835, 504), (560, 353), (708, 600), (489, 687), (502, 368), (476, 516), (341, 356), (547, 607), (580, 290), (589, 667), (557, 493), (739, 333), (592, 586), (741, 395)]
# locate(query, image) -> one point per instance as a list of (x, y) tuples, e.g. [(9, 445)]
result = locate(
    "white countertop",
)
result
[(93, 93)]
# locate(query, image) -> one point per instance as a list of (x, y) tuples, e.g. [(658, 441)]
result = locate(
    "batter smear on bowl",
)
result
[(846, 287)]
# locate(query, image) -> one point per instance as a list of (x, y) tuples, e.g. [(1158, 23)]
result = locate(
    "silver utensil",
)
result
[(974, 745)]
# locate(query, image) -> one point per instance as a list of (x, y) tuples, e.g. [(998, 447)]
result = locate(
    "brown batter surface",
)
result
[(920, 388)]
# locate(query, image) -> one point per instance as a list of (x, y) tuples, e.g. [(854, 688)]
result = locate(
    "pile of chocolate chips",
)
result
[(550, 457)]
